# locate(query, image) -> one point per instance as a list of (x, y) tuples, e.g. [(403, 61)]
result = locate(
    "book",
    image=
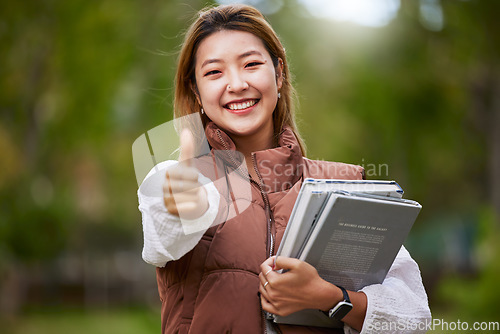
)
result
[(312, 196), (352, 239)]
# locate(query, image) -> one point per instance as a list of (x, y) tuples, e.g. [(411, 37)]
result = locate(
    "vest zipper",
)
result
[(223, 142), (271, 230), (269, 216)]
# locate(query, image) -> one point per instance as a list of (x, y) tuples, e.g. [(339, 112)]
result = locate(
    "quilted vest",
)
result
[(214, 287)]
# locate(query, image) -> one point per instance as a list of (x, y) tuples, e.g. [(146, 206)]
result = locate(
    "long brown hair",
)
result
[(232, 17)]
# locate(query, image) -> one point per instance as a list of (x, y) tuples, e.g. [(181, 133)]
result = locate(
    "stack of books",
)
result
[(350, 231)]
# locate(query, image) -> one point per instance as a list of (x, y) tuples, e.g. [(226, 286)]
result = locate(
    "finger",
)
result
[(184, 198), (180, 209), (167, 189), (170, 205), (174, 190), (286, 263), (184, 209), (187, 147), (270, 271), (180, 201), (188, 196), (267, 264), (264, 294), (183, 186), (182, 172), (267, 305), (262, 279), (168, 196)]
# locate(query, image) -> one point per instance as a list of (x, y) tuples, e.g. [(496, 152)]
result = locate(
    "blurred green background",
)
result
[(409, 89)]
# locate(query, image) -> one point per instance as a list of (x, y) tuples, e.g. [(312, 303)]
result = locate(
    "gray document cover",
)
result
[(353, 244), (312, 198)]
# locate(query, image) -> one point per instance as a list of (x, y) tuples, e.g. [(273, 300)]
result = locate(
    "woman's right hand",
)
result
[(183, 195)]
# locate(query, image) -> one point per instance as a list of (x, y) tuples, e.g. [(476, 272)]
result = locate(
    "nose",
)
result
[(236, 83)]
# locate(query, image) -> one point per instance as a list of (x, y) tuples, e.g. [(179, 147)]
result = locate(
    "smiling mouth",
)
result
[(241, 105)]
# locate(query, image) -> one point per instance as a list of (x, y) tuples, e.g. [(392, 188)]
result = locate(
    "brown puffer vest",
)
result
[(214, 287)]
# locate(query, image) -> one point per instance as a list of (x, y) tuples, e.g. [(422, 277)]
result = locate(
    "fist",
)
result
[(183, 195)]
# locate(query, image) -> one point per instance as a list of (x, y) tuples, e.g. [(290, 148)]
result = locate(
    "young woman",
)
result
[(220, 279)]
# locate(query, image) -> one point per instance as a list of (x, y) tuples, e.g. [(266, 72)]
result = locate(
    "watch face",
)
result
[(340, 310)]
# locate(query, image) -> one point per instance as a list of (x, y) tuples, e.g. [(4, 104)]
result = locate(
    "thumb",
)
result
[(186, 147), (286, 263)]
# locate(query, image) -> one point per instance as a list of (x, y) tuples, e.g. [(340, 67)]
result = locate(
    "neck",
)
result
[(248, 144)]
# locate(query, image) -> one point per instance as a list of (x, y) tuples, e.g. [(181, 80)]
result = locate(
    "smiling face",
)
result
[(237, 83)]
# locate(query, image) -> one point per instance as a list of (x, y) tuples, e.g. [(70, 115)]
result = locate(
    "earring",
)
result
[(202, 111), (279, 95)]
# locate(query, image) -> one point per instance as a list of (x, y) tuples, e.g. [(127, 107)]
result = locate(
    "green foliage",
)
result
[(124, 321), (476, 298), (81, 80), (398, 95)]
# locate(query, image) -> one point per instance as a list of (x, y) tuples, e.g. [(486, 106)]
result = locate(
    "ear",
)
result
[(279, 73), (194, 89)]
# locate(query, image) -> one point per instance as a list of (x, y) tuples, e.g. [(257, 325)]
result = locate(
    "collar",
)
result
[(279, 168)]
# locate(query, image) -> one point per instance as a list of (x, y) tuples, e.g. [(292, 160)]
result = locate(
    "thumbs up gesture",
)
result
[(183, 195)]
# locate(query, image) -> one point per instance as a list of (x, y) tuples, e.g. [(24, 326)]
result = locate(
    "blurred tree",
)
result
[(404, 96), (80, 80)]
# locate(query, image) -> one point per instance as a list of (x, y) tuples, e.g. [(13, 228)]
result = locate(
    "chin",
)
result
[(244, 129), (242, 132)]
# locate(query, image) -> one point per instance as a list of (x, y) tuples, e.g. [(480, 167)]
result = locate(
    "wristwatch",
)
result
[(340, 310)]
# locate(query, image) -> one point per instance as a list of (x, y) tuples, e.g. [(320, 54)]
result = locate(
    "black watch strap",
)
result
[(343, 307), (344, 292)]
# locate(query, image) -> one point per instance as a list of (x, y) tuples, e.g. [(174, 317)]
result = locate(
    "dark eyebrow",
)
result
[(243, 55), (210, 61), (249, 53)]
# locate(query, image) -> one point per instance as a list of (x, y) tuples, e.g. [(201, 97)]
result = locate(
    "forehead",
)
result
[(226, 44)]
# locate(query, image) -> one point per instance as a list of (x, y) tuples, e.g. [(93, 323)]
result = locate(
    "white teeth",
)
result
[(239, 106)]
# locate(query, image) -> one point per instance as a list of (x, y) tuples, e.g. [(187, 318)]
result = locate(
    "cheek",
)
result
[(210, 93), (269, 82)]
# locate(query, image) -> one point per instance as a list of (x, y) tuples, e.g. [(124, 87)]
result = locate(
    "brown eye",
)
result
[(253, 64), (212, 72)]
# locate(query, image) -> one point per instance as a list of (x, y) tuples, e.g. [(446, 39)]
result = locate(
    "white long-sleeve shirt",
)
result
[(168, 237), (398, 305)]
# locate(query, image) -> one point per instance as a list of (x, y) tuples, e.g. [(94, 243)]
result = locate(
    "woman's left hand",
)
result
[(298, 287)]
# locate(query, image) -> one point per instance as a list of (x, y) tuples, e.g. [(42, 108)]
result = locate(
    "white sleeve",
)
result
[(166, 236), (399, 304)]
